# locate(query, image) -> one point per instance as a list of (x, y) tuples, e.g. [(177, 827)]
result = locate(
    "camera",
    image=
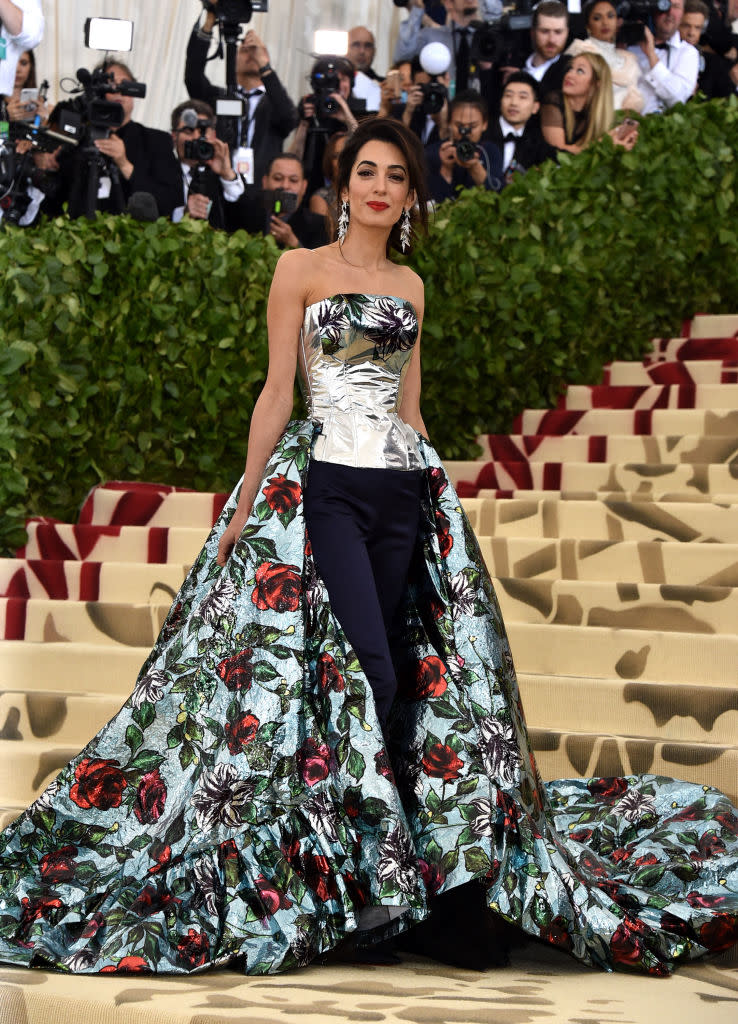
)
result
[(465, 149), (636, 14), (238, 11), (434, 96), (199, 149), (279, 202), (100, 115), (494, 40), (324, 80)]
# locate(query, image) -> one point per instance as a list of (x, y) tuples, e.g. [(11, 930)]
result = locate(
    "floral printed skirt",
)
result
[(245, 806)]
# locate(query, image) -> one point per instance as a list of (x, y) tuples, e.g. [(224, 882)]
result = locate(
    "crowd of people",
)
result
[(507, 101)]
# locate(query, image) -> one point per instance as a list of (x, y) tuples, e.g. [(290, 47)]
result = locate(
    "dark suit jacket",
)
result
[(154, 170), (531, 148), (252, 215), (714, 79), (417, 123), (275, 114), (440, 189)]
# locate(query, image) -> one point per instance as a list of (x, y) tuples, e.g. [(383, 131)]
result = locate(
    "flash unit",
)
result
[(109, 34)]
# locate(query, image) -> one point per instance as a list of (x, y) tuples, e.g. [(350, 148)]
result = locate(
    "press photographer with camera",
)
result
[(331, 107), (269, 114), (669, 65), (207, 187), (21, 28), (277, 209), (464, 160), (424, 113), (456, 34)]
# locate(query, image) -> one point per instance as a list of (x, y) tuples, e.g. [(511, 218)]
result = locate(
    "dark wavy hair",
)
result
[(386, 129)]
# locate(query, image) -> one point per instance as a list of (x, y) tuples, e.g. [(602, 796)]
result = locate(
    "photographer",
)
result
[(21, 28), (277, 208), (269, 113), (361, 50), (456, 34), (428, 126), (464, 160), (669, 66), (330, 108), (208, 188)]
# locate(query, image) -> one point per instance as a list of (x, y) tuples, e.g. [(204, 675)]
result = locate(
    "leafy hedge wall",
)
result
[(137, 351)]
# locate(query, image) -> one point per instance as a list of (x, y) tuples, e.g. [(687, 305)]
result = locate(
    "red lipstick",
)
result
[(378, 205)]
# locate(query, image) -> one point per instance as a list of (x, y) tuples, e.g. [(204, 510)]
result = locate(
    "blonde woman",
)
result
[(601, 20), (583, 112)]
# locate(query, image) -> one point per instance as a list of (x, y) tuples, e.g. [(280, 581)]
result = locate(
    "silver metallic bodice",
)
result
[(355, 351)]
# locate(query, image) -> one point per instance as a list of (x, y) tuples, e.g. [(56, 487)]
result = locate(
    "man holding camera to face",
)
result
[(209, 188), (269, 114), (464, 160)]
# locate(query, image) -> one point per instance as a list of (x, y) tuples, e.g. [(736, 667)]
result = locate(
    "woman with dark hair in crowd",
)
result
[(328, 734), (582, 112), (324, 200), (601, 20), (24, 109)]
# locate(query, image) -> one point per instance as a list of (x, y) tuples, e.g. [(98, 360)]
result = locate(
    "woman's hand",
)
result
[(230, 535), (625, 135)]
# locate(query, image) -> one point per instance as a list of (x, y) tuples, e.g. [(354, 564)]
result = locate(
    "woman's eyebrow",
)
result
[(371, 163)]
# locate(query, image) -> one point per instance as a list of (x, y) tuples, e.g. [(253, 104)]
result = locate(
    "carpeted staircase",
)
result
[(610, 525)]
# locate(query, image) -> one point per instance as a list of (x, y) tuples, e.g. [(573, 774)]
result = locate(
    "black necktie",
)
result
[(462, 61)]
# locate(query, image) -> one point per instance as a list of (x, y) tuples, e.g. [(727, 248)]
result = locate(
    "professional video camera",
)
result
[(493, 40), (324, 80), (636, 14), (17, 170)]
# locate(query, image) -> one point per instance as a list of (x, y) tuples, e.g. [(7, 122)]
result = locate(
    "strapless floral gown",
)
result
[(245, 806)]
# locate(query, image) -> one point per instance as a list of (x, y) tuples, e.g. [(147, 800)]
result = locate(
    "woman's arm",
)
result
[(274, 405)]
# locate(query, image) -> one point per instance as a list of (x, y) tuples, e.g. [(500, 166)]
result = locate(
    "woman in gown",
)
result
[(261, 795)]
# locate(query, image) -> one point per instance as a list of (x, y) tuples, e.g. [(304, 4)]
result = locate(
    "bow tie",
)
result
[(250, 95), (511, 137), (662, 46)]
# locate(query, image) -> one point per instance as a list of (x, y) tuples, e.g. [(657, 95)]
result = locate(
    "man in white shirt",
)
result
[(549, 34), (669, 65), (21, 28)]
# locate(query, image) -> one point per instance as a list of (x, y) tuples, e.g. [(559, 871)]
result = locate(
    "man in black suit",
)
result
[(204, 190), (277, 208), (549, 35), (516, 131), (269, 114), (718, 77), (139, 157)]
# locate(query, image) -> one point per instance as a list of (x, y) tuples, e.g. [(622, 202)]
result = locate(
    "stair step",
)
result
[(27, 768), (66, 719), (692, 349), (127, 504), (609, 519), (682, 712), (102, 622), (76, 668), (714, 325), (628, 421), (643, 477), (90, 581), (635, 606), (636, 561), (654, 449), (688, 396), (677, 371), (566, 754), (65, 541), (601, 653)]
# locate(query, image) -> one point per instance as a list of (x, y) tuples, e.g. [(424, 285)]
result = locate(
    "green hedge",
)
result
[(137, 351)]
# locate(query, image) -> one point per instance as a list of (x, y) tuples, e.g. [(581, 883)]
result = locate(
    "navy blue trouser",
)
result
[(362, 525)]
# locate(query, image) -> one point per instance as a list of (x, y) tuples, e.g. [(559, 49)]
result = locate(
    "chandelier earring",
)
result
[(405, 230), (343, 220)]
